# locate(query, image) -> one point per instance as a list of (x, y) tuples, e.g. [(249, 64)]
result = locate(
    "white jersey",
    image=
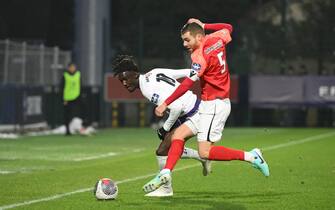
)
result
[(158, 84)]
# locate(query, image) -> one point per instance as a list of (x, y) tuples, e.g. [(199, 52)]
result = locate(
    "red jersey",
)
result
[(209, 60)]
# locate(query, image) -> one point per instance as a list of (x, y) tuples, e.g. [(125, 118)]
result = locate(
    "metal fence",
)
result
[(25, 64)]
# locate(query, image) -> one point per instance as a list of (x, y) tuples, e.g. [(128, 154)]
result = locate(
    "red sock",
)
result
[(224, 153), (175, 152)]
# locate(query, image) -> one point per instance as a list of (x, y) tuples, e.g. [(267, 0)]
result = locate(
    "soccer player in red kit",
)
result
[(208, 54)]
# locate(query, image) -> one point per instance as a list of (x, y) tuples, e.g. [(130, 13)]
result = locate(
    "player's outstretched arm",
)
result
[(175, 73), (175, 111), (181, 89), (212, 26), (218, 26), (197, 21)]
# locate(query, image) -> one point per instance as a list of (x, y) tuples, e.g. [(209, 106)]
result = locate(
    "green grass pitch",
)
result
[(57, 172)]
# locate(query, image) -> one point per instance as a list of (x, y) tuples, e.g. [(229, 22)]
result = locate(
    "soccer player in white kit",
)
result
[(156, 85)]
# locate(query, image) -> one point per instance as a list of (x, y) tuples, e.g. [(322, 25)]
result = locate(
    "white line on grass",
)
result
[(54, 197), (300, 141), (96, 156), (110, 154), (6, 172), (79, 159), (23, 170)]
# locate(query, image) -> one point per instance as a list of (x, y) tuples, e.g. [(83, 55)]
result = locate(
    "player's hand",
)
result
[(197, 21), (161, 133), (65, 103), (159, 111)]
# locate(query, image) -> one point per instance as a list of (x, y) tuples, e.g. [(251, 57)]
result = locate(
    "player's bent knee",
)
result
[(178, 135), (182, 132)]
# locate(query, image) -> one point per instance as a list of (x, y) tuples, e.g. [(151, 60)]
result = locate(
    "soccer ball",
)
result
[(105, 189)]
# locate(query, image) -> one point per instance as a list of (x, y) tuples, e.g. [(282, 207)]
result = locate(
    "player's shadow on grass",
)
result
[(216, 200), (196, 202), (228, 195)]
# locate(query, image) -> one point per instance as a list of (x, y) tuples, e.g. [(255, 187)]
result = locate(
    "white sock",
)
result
[(189, 153), (248, 156), (165, 170), (161, 161)]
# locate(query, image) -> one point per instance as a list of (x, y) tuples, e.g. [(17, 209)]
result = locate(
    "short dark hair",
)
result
[(124, 63), (71, 64), (193, 28)]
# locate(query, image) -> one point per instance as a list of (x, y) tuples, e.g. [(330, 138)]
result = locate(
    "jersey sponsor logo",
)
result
[(196, 66), (154, 98), (147, 75), (215, 46)]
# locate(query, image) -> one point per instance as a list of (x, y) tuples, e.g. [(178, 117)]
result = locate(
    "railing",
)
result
[(25, 64)]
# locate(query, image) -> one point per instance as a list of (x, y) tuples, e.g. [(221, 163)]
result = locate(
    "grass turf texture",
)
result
[(302, 175)]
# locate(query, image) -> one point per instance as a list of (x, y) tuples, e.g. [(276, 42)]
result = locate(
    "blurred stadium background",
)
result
[(282, 58), (282, 63)]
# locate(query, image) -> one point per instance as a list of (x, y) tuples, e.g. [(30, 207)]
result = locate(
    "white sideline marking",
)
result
[(54, 197), (6, 172), (301, 141), (23, 170), (78, 159), (96, 156), (105, 155)]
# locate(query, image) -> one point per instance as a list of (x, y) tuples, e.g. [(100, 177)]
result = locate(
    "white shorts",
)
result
[(209, 122)]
